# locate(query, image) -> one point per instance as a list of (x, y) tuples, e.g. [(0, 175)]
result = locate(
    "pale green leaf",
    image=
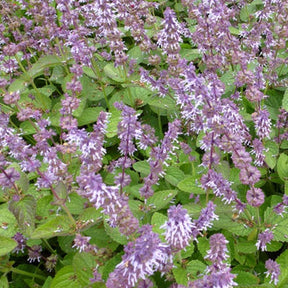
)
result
[(189, 185), (160, 199), (7, 245), (58, 226), (282, 166)]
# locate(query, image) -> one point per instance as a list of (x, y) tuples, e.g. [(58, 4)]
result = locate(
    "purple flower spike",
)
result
[(178, 227), (81, 243), (273, 270), (264, 238), (141, 259)]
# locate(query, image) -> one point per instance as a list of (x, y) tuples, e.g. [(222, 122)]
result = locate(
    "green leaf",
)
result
[(45, 62), (196, 267), (270, 154), (75, 203), (161, 198), (189, 185), (203, 246), (246, 11), (115, 73), (162, 106), (115, 234), (245, 278), (282, 260), (180, 275), (59, 226), (98, 94), (157, 221), (174, 175), (38, 98), (190, 54), (89, 115), (114, 119), (7, 245), (136, 53), (18, 85), (285, 100), (274, 246), (66, 243), (4, 282), (48, 282), (83, 264), (8, 222), (282, 167), (66, 277), (44, 206), (24, 211), (110, 265), (246, 247), (142, 167)]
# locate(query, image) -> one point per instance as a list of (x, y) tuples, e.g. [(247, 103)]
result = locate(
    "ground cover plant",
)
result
[(144, 143)]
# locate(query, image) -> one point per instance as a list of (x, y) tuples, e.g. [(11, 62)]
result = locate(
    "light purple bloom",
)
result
[(81, 243), (255, 197), (264, 238), (146, 255), (273, 270), (262, 123), (178, 227)]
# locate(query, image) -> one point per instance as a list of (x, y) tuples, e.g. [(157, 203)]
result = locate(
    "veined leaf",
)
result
[(6, 245), (24, 211), (66, 277), (161, 198), (59, 226)]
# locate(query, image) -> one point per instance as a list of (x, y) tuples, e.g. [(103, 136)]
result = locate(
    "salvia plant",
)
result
[(144, 143)]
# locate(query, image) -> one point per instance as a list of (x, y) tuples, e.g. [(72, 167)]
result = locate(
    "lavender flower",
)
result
[(219, 272), (249, 175), (262, 123), (264, 238), (159, 156), (34, 253), (219, 185), (255, 197), (8, 177), (128, 128), (81, 243), (21, 242), (205, 219), (141, 259), (110, 200), (273, 270), (178, 228)]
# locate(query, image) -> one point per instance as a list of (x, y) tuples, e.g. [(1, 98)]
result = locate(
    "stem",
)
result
[(160, 124), (32, 275), (48, 246)]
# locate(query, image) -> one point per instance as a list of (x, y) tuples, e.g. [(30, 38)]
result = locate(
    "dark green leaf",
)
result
[(24, 211), (66, 277)]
